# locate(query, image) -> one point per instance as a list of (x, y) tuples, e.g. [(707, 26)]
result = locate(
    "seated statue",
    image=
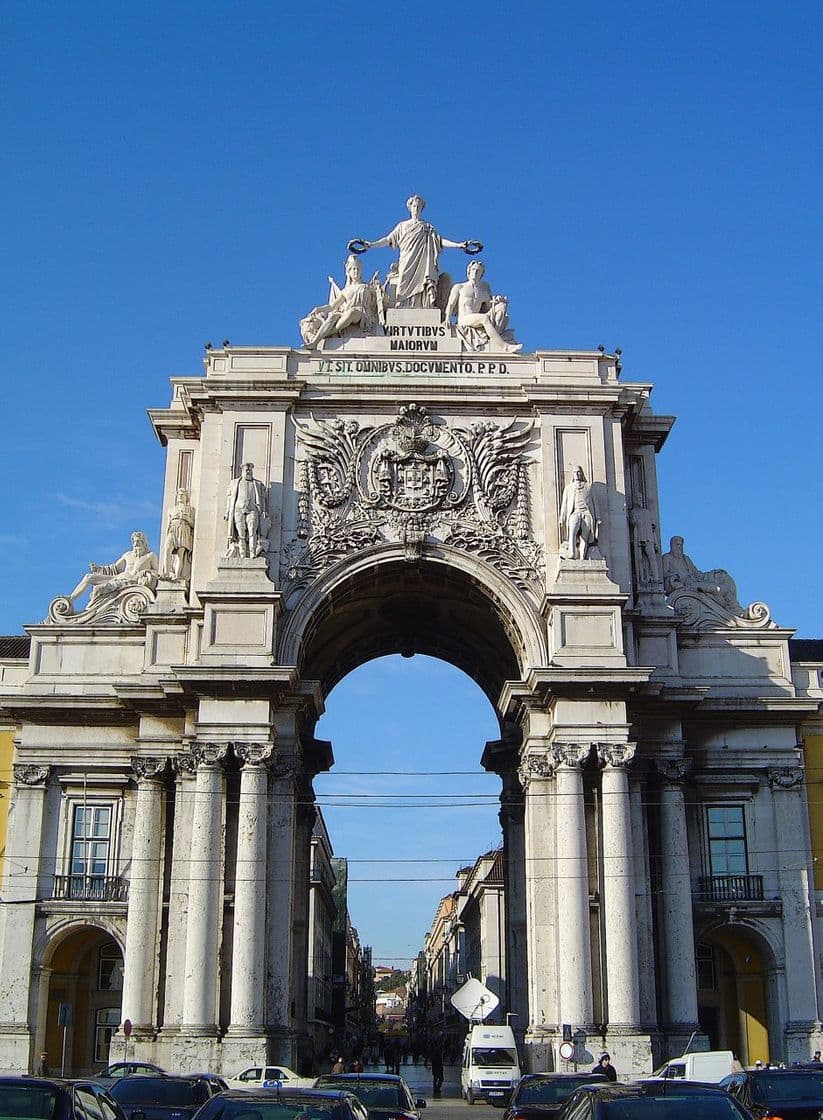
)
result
[(136, 568), (680, 573), (358, 306), (482, 318)]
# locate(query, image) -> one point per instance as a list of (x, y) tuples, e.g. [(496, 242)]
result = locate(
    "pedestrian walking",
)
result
[(604, 1066), (436, 1059), (339, 1065)]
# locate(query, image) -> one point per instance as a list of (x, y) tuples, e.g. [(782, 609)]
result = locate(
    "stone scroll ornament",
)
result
[(120, 592), (707, 600), (413, 482), (29, 775)]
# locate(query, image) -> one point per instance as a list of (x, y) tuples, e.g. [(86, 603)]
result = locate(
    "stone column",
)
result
[(536, 777), (21, 887), (619, 917), (512, 814), (248, 956), (573, 929), (678, 926), (304, 821), (205, 890), (140, 965), (646, 954), (280, 887), (797, 911)]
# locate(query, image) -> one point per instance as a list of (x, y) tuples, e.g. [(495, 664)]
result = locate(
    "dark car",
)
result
[(385, 1095), (164, 1097), (47, 1098), (540, 1095), (794, 1094), (650, 1101), (283, 1104), (117, 1070)]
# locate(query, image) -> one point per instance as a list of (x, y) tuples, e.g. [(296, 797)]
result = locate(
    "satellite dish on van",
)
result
[(474, 1001)]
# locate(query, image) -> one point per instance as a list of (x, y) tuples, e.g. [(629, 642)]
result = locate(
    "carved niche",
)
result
[(413, 481)]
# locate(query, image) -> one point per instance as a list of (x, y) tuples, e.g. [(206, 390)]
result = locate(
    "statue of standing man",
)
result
[(419, 245), (247, 510)]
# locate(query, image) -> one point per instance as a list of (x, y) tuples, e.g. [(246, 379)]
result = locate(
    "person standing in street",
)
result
[(604, 1066), (436, 1058)]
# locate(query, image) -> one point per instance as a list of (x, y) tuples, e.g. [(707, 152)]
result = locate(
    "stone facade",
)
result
[(408, 484)]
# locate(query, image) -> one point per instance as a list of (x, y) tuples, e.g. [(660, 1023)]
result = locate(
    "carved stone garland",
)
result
[(410, 481)]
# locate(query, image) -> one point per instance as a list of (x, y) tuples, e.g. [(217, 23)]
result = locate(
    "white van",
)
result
[(703, 1065), (490, 1066)]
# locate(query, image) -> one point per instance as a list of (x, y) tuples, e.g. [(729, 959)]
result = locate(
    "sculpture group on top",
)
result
[(414, 280), (120, 591)]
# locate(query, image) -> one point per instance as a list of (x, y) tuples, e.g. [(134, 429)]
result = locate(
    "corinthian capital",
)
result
[(253, 754), (30, 775), (570, 754), (672, 770), (146, 767), (210, 754), (785, 777), (535, 764), (615, 754)]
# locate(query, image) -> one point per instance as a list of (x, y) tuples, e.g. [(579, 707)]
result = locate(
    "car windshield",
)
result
[(692, 1107), (162, 1092), (36, 1101), (788, 1087), (493, 1056), (222, 1108), (373, 1094), (548, 1091)]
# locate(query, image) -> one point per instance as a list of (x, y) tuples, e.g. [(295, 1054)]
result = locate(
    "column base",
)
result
[(801, 1039), (681, 1036), (632, 1051), (196, 1048), (244, 1046), (15, 1049)]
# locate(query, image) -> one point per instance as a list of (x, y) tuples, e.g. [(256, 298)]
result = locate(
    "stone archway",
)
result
[(82, 971), (735, 992)]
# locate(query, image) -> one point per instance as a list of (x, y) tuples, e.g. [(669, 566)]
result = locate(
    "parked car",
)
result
[(254, 1076), (283, 1104), (645, 1100), (490, 1068), (47, 1098), (538, 1096), (793, 1094), (164, 1097), (385, 1095), (114, 1072)]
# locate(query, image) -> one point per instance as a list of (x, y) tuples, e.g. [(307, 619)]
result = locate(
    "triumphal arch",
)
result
[(409, 480)]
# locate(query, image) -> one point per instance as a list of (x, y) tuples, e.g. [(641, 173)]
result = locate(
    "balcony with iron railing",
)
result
[(731, 888), (90, 888)]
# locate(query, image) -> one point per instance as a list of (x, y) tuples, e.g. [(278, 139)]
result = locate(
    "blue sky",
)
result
[(642, 175)]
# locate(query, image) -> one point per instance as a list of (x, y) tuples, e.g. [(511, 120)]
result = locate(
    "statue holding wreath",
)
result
[(418, 281)]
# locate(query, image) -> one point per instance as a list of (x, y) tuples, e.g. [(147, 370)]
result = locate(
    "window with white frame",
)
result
[(106, 1023), (90, 849), (726, 827)]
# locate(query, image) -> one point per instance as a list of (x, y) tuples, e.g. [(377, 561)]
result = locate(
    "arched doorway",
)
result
[(82, 987), (733, 994)]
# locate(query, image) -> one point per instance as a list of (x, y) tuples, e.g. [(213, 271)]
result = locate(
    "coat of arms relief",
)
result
[(414, 481)]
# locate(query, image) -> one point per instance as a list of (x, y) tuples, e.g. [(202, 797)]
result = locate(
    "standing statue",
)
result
[(247, 507), (419, 245), (680, 573), (135, 568), (357, 305), (648, 558), (579, 517), (179, 538), (479, 312)]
